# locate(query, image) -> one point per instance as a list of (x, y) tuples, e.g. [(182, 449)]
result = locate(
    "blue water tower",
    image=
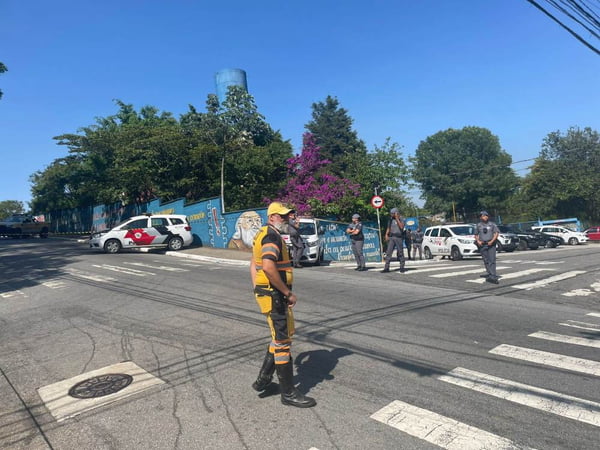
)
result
[(229, 77)]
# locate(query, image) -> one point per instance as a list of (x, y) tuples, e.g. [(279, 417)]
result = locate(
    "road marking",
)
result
[(549, 359), (546, 400), (435, 268), (587, 342), (89, 276), (464, 272), (595, 288), (55, 284), (508, 276), (439, 430), (10, 294), (593, 314), (167, 268), (581, 325), (126, 270), (546, 281)]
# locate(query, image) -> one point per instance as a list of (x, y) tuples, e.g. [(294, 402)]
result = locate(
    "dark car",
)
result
[(547, 240), (526, 239)]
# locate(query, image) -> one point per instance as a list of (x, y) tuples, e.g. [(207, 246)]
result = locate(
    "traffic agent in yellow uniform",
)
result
[(272, 277)]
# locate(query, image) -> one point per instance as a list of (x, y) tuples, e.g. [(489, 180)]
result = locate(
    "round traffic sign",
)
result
[(376, 201)]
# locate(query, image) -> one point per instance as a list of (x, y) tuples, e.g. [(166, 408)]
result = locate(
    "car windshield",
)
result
[(465, 230), (307, 228)]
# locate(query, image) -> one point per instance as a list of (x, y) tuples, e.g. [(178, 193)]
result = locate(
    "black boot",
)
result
[(266, 373), (289, 394)]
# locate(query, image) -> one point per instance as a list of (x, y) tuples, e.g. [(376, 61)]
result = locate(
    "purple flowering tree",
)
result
[(311, 189)]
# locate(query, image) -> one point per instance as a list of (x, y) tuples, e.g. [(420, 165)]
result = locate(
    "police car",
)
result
[(455, 241), (171, 231)]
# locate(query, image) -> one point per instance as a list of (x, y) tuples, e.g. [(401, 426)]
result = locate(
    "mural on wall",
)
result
[(211, 228), (337, 245), (246, 227)]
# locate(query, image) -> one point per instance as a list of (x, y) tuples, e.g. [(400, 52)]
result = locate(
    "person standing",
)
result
[(486, 233), (272, 276), (357, 239), (417, 240), (394, 235), (408, 242), (295, 240)]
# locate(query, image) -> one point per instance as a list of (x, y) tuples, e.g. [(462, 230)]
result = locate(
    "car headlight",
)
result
[(465, 241)]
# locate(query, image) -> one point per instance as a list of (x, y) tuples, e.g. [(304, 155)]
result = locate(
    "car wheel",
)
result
[(550, 244), (427, 252), (175, 243), (499, 247), (534, 246), (112, 246), (573, 241), (522, 245), (455, 254), (509, 249)]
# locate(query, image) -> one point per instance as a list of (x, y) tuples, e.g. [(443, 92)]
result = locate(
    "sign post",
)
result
[(377, 202)]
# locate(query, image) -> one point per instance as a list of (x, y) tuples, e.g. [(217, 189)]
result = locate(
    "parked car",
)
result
[(507, 242), (593, 233), (172, 231), (547, 240), (455, 241), (311, 233), (568, 236), (526, 239)]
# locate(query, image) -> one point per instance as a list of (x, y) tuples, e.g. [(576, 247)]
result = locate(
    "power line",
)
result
[(584, 11)]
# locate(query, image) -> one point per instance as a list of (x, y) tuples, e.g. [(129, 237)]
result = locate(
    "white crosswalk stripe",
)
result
[(10, 294), (126, 270), (508, 276), (593, 314), (543, 399), (581, 325), (547, 281), (588, 342), (548, 359), (439, 430), (149, 266), (54, 284), (464, 272), (90, 276)]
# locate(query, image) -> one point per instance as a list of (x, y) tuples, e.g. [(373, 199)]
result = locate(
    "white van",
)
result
[(455, 241), (311, 233), (568, 236)]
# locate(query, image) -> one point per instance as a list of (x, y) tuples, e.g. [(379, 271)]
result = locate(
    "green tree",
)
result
[(564, 181), (251, 156), (10, 207), (462, 171), (2, 70), (331, 126)]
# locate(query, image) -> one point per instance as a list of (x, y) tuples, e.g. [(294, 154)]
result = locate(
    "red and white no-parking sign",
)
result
[(376, 201)]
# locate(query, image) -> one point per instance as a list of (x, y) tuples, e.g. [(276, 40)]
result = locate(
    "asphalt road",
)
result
[(430, 358)]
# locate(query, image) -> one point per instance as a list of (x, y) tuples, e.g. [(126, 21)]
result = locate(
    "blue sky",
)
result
[(403, 69)]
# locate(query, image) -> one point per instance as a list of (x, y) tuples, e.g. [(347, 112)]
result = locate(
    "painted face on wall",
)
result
[(246, 227)]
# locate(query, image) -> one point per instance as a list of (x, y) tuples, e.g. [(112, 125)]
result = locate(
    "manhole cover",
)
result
[(101, 385)]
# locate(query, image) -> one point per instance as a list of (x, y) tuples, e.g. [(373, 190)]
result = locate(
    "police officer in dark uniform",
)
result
[(272, 276), (395, 237), (357, 239), (486, 234)]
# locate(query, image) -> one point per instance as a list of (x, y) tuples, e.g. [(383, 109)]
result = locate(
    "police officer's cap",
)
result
[(394, 211), (484, 213), (355, 216)]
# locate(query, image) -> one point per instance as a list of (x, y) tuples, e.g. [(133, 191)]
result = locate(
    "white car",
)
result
[(172, 231), (310, 232), (455, 241), (568, 236)]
